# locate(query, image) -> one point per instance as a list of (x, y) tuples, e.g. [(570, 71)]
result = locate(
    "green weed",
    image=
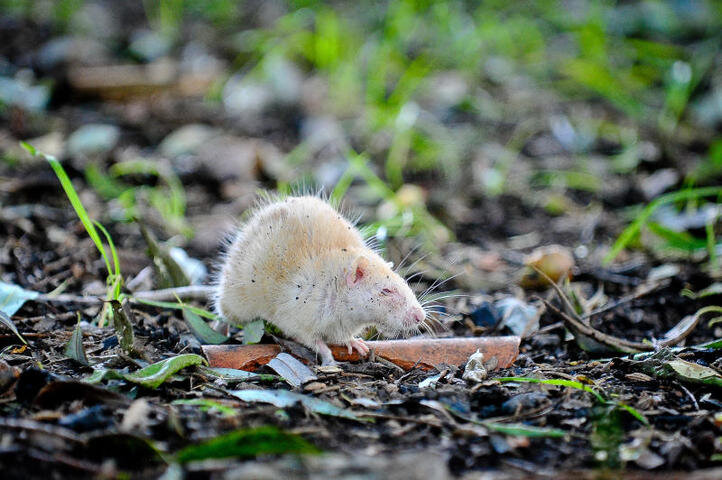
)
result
[(114, 279)]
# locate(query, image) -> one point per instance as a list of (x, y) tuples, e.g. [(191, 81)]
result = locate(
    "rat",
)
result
[(299, 264)]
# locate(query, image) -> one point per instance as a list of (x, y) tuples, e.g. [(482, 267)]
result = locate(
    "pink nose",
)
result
[(418, 314)]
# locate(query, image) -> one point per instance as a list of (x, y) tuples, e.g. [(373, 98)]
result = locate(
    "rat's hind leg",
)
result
[(361, 347), (325, 352)]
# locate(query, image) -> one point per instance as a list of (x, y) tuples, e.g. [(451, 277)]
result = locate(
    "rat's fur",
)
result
[(300, 265)]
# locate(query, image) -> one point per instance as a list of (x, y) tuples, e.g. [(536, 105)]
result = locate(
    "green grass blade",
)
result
[(74, 199), (360, 164), (178, 306), (521, 430), (113, 250), (634, 412), (206, 404), (558, 382), (342, 185), (636, 226)]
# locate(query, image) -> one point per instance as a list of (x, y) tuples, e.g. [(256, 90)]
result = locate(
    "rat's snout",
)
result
[(415, 315)]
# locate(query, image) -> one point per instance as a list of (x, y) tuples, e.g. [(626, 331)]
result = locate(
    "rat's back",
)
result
[(281, 237)]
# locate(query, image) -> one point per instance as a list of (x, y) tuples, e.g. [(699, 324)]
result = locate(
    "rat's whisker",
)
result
[(406, 257), (410, 267), (438, 284), (416, 275), (442, 297)]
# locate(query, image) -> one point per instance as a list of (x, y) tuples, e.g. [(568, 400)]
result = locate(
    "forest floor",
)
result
[(148, 148)]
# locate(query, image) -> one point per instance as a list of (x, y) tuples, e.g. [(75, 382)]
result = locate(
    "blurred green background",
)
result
[(427, 111)]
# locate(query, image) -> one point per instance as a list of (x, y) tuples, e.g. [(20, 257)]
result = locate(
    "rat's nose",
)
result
[(418, 314)]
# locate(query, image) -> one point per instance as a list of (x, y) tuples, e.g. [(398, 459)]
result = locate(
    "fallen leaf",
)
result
[(284, 398), (151, 376), (155, 374), (13, 297), (235, 375), (520, 317), (253, 332), (695, 373), (293, 372), (74, 348)]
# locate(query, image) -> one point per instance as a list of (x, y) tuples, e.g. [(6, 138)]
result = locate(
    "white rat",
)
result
[(300, 265)]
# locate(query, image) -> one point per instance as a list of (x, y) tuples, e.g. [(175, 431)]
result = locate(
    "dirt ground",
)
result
[(198, 167)]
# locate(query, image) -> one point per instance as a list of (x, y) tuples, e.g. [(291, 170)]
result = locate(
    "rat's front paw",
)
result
[(358, 345)]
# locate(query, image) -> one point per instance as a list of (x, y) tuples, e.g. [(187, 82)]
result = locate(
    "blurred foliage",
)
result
[(648, 61)]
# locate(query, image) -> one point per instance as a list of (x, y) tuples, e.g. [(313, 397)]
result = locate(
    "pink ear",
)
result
[(358, 271)]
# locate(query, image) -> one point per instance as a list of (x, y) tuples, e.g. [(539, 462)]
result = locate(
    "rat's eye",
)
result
[(388, 291)]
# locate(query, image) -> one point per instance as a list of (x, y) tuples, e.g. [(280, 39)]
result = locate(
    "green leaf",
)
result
[(123, 325), (5, 320), (155, 374), (207, 404), (284, 398), (247, 443), (13, 297), (253, 332), (74, 348), (521, 430), (202, 330)]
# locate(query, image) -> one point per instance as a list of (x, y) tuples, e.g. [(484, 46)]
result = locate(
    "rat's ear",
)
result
[(359, 269)]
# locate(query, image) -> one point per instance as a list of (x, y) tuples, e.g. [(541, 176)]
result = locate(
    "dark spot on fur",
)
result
[(296, 298)]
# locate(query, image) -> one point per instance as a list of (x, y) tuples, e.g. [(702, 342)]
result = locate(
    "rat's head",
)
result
[(379, 296)]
